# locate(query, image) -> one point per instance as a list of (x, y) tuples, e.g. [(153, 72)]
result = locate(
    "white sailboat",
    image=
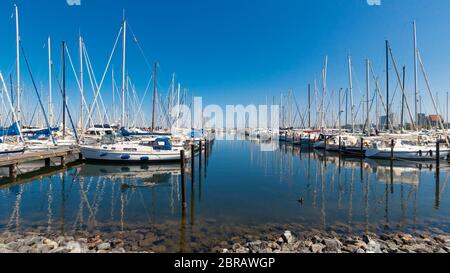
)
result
[(406, 150), (146, 151)]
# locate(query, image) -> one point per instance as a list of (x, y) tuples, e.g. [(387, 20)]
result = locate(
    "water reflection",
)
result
[(235, 190)]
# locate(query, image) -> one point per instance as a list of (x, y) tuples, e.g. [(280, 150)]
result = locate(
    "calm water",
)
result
[(244, 191)]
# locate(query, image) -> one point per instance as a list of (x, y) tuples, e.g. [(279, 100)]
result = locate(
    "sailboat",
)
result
[(407, 150), (134, 146), (145, 151)]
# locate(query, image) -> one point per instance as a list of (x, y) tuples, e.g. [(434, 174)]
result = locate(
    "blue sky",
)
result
[(236, 51)]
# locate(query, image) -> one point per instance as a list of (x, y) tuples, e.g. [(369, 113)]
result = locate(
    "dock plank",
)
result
[(36, 156)]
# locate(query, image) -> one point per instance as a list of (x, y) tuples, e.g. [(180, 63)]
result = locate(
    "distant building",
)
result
[(435, 120), (422, 120), (393, 119)]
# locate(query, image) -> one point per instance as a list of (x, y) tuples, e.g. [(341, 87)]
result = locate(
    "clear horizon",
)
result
[(233, 52)]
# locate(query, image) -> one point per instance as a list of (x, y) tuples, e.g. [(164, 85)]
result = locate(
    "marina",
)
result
[(340, 147), (346, 196)]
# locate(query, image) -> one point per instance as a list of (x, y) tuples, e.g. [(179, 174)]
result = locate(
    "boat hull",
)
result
[(407, 155), (98, 155)]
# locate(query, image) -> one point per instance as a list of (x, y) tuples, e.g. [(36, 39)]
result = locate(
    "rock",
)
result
[(360, 251), (4, 250), (50, 243), (373, 247), (159, 249), (255, 247), (288, 238), (24, 249), (13, 246), (274, 246), (317, 248), (333, 245), (243, 250), (74, 247), (33, 241), (442, 251), (104, 246)]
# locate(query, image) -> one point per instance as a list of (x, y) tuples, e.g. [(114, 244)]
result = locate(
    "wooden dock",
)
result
[(12, 162)]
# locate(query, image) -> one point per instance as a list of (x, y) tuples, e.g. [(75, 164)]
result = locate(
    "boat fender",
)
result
[(420, 153), (125, 157), (431, 153)]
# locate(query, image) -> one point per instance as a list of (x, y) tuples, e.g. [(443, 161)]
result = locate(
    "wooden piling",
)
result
[(362, 148), (438, 156), (200, 154), (47, 162), (183, 178), (192, 163), (392, 149), (13, 171)]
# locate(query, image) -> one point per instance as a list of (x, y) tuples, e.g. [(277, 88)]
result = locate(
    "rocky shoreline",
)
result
[(313, 242), (303, 242), (38, 243)]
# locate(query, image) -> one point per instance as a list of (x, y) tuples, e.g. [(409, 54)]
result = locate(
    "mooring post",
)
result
[(192, 163), (362, 148), (183, 178), (340, 146), (392, 149), (438, 156), (13, 171), (47, 162), (200, 158)]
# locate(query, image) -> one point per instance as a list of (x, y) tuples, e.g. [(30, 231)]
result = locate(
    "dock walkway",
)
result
[(13, 161)]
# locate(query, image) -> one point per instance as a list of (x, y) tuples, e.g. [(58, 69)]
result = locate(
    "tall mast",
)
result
[(403, 101), (350, 78), (387, 85), (64, 87), (324, 91), (154, 95), (50, 110), (368, 96), (113, 96), (309, 106), (416, 84), (122, 117), (18, 64), (172, 96), (178, 103), (81, 84)]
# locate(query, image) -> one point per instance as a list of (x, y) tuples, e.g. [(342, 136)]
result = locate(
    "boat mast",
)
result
[(113, 96), (403, 102), (50, 110), (81, 84), (122, 117), (172, 99), (416, 90), (64, 87), (154, 95), (387, 84), (350, 75), (368, 128), (324, 91), (18, 64), (178, 103), (309, 106)]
